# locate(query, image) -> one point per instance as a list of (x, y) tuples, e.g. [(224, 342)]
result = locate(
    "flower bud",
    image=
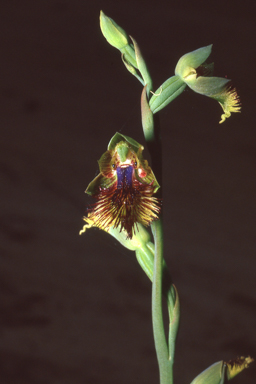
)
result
[(114, 34), (118, 38)]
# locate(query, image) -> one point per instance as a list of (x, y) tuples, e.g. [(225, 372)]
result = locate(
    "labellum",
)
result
[(123, 189)]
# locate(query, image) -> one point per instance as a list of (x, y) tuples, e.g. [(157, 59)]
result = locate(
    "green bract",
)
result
[(168, 91), (139, 240)]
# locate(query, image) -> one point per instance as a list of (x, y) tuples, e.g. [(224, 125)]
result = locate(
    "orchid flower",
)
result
[(123, 189)]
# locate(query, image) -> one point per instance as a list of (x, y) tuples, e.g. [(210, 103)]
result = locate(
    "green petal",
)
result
[(123, 150), (192, 60), (207, 86), (150, 177), (220, 371), (105, 164), (99, 182), (215, 374), (119, 137)]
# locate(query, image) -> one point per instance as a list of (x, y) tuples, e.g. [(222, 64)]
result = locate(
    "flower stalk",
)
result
[(164, 363)]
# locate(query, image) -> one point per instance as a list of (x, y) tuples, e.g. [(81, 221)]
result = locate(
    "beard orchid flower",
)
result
[(123, 190), (191, 68)]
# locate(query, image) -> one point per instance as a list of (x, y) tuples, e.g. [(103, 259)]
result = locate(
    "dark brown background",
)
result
[(77, 309)]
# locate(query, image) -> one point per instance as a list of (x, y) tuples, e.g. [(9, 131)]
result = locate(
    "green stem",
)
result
[(165, 359), (165, 368)]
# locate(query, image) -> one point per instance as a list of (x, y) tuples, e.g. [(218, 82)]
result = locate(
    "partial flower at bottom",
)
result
[(124, 189)]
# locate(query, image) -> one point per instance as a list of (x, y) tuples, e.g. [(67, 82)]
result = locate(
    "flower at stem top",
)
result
[(196, 74), (124, 189)]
